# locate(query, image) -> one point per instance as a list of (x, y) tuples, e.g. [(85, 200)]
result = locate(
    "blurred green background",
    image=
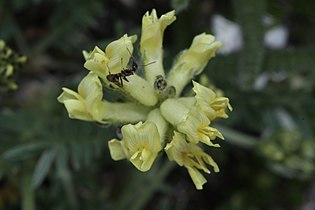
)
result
[(267, 161)]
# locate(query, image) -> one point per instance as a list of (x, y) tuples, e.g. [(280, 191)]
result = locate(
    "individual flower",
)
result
[(115, 58), (150, 107), (88, 104), (196, 127), (119, 52), (152, 40), (190, 156), (191, 62), (84, 104), (191, 122), (209, 103), (153, 30), (97, 62), (140, 144)]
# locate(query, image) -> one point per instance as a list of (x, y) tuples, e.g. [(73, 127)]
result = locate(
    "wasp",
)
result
[(118, 78)]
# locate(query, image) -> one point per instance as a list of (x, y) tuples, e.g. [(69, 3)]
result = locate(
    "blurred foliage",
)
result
[(62, 30), (179, 5), (48, 161)]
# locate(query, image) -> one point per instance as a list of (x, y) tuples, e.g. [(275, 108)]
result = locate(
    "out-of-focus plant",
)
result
[(289, 154), (34, 149), (64, 29), (10, 63)]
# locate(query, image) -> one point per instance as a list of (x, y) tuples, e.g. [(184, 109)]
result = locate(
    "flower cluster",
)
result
[(154, 116), (290, 154), (10, 62)]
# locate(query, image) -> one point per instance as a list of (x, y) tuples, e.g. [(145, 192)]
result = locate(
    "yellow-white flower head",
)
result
[(140, 144), (153, 106), (86, 103), (190, 156), (209, 103)]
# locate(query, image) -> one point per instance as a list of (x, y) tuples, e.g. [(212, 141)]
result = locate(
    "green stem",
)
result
[(238, 138), (141, 188), (66, 177), (249, 15), (27, 193), (154, 183)]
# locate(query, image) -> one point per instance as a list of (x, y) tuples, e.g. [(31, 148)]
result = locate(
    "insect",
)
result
[(118, 78)]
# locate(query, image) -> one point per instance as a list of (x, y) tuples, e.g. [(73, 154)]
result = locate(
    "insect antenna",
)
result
[(133, 60)]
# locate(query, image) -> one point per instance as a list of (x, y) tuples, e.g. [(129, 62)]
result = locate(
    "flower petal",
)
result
[(116, 150), (77, 110), (191, 62), (151, 43), (119, 52), (197, 178), (190, 156), (210, 104), (152, 32), (97, 62), (141, 143)]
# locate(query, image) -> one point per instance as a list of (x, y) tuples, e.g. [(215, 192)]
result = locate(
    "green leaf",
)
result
[(65, 176), (179, 5), (42, 167), (24, 151)]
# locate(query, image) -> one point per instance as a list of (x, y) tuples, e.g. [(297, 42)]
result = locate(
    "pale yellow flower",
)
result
[(116, 56), (97, 62), (86, 103), (140, 144), (152, 33), (119, 52), (209, 103), (191, 62), (196, 127), (151, 42), (190, 156), (190, 121)]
